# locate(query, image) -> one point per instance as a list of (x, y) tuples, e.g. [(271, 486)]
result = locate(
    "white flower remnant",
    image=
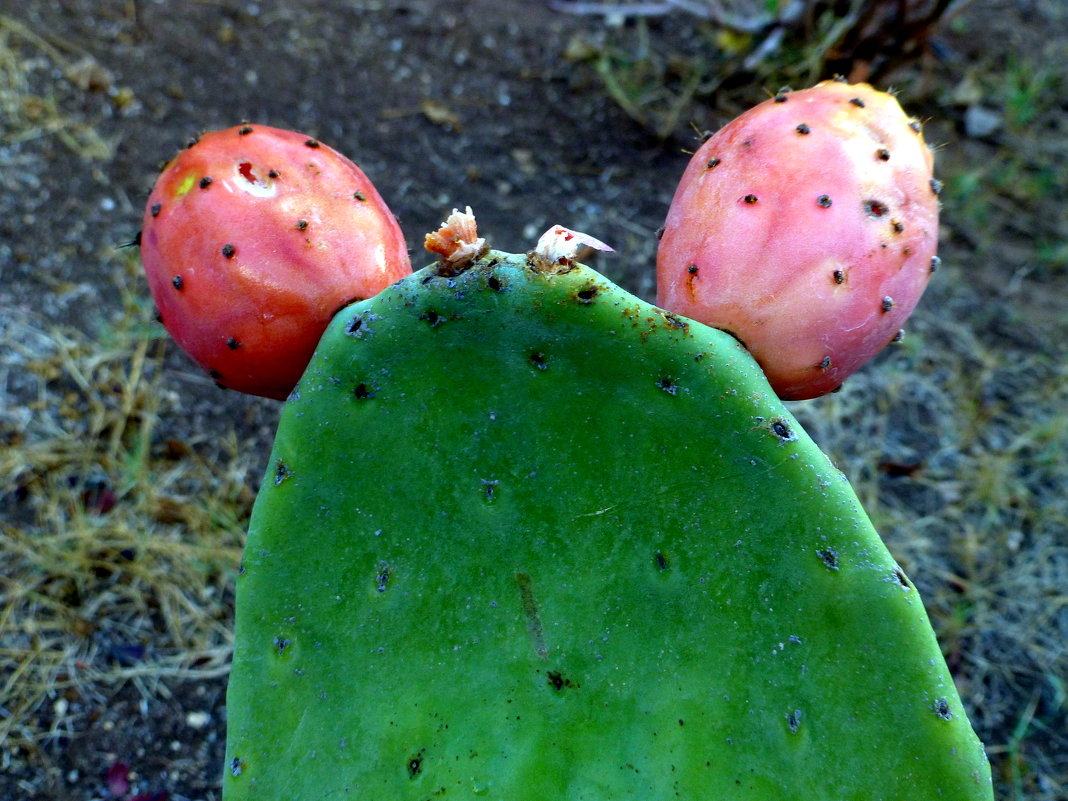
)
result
[(457, 241), (560, 245)]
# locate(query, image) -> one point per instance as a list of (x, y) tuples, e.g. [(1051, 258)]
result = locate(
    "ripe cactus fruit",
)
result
[(807, 228), (253, 237), (526, 536)]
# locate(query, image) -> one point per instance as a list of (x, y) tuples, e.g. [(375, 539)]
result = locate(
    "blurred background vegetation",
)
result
[(126, 480)]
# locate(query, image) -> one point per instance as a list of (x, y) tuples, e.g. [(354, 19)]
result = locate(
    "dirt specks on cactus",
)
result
[(228, 251), (539, 360), (825, 363), (489, 489), (942, 709), (750, 199), (156, 209), (803, 129), (415, 764), (312, 143), (237, 766), (829, 557), (383, 576), (824, 201), (432, 318), (363, 391), (233, 343), (558, 681), (661, 561), (281, 472), (674, 321), (359, 326), (586, 295), (178, 282), (793, 720), (668, 385), (281, 645), (781, 429), (205, 182), (713, 162), (856, 101), (882, 154), (898, 577)]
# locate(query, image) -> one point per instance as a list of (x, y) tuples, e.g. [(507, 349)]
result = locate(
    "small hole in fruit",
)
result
[(875, 208)]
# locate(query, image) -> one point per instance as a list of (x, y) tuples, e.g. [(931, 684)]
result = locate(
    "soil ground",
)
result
[(113, 650)]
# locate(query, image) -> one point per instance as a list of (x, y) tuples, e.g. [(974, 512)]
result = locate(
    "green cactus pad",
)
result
[(525, 537)]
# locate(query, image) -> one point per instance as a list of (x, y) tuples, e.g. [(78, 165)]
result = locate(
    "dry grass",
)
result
[(119, 547)]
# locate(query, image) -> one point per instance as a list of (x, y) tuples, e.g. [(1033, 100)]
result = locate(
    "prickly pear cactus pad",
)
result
[(525, 537)]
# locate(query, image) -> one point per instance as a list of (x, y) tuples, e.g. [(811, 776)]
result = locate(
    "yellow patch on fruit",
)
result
[(185, 185)]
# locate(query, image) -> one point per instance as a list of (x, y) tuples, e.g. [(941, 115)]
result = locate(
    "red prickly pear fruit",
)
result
[(807, 227), (253, 238)]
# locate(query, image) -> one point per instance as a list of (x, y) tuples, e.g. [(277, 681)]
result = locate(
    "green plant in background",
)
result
[(524, 534), (724, 44)]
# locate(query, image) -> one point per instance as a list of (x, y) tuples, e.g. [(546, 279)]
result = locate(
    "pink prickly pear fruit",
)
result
[(807, 227), (253, 238)]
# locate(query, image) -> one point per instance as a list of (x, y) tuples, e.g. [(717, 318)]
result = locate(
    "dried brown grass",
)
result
[(119, 547)]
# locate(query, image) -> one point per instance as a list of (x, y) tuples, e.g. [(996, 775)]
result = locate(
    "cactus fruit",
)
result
[(526, 536), (253, 237), (807, 227)]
